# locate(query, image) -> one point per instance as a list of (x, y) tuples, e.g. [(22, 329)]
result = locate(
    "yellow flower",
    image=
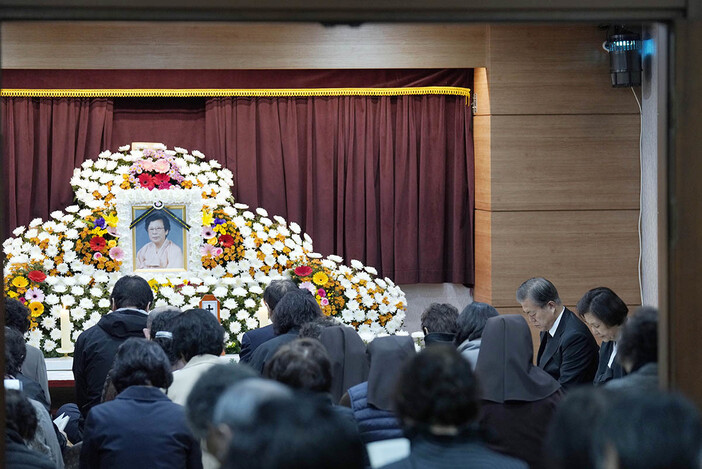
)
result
[(11, 294), (36, 308), (33, 324), (207, 218), (212, 241), (99, 231), (20, 282), (111, 243), (153, 284), (220, 229), (320, 278), (111, 220)]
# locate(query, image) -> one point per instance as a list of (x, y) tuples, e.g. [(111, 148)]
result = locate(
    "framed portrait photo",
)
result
[(159, 242)]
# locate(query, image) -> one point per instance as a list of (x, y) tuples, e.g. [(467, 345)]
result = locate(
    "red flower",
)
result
[(146, 181), (161, 178), (36, 276), (98, 243), (226, 240), (321, 292), (303, 270)]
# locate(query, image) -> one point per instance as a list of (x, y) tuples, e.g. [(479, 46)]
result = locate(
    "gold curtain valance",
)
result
[(196, 92)]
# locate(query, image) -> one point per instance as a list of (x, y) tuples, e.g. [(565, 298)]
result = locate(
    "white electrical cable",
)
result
[(640, 196)]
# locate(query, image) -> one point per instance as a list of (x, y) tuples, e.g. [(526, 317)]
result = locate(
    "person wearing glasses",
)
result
[(160, 252), (568, 351)]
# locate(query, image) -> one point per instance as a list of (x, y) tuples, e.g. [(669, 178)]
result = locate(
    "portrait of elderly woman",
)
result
[(160, 252)]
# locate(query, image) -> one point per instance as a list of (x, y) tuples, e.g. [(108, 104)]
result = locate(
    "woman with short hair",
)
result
[(604, 313), (471, 323), (141, 427)]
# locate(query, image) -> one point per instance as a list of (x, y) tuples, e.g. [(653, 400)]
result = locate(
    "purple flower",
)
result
[(100, 222), (219, 221)]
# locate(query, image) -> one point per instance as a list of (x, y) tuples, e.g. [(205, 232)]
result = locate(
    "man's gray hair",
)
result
[(156, 311), (238, 405), (539, 290)]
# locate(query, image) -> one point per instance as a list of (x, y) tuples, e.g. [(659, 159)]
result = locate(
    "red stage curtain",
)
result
[(44, 140), (386, 180)]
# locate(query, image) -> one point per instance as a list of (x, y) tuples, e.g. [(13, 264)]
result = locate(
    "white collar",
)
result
[(131, 309), (553, 329)]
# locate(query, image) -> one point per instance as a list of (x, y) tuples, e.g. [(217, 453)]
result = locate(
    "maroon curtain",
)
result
[(386, 180), (44, 140)]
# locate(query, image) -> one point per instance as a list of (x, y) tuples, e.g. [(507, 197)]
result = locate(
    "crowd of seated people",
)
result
[(154, 390)]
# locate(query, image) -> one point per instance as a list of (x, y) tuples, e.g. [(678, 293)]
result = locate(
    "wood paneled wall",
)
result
[(557, 167), (556, 147)]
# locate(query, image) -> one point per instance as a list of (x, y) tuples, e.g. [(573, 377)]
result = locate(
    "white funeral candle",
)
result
[(65, 329)]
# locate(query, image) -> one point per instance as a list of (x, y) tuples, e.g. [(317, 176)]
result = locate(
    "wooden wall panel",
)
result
[(566, 162), (145, 45), (554, 69), (576, 250), (482, 159), (483, 256)]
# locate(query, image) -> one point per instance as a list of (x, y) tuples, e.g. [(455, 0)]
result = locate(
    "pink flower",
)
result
[(148, 165), (309, 286), (162, 166), (34, 294), (217, 252), (116, 253), (321, 292), (208, 232), (324, 302), (97, 255), (207, 250), (112, 231)]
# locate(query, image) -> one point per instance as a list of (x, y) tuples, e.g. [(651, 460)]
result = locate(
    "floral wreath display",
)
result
[(71, 262)]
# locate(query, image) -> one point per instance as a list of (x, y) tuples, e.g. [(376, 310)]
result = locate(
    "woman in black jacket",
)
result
[(141, 428)]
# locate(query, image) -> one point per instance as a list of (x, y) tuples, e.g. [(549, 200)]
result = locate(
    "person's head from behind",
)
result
[(437, 392), (471, 321), (16, 315), (161, 332), (157, 226), (140, 362), (203, 397), (296, 433), (571, 430), (275, 291), (15, 351), (603, 311), (294, 309), (133, 292), (638, 344), (439, 317), (649, 431), (235, 409), (197, 332), (152, 315), (540, 302), (20, 416), (302, 364)]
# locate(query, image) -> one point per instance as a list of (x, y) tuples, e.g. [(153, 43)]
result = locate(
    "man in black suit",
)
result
[(568, 352), (255, 337)]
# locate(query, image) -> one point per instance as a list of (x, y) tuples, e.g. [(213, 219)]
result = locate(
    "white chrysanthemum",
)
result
[(77, 291), (50, 345), (241, 315), (104, 303), (220, 292), (188, 290), (86, 303), (235, 327), (67, 300), (249, 303), (251, 323), (203, 289), (48, 321), (176, 299), (78, 313), (224, 314)]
